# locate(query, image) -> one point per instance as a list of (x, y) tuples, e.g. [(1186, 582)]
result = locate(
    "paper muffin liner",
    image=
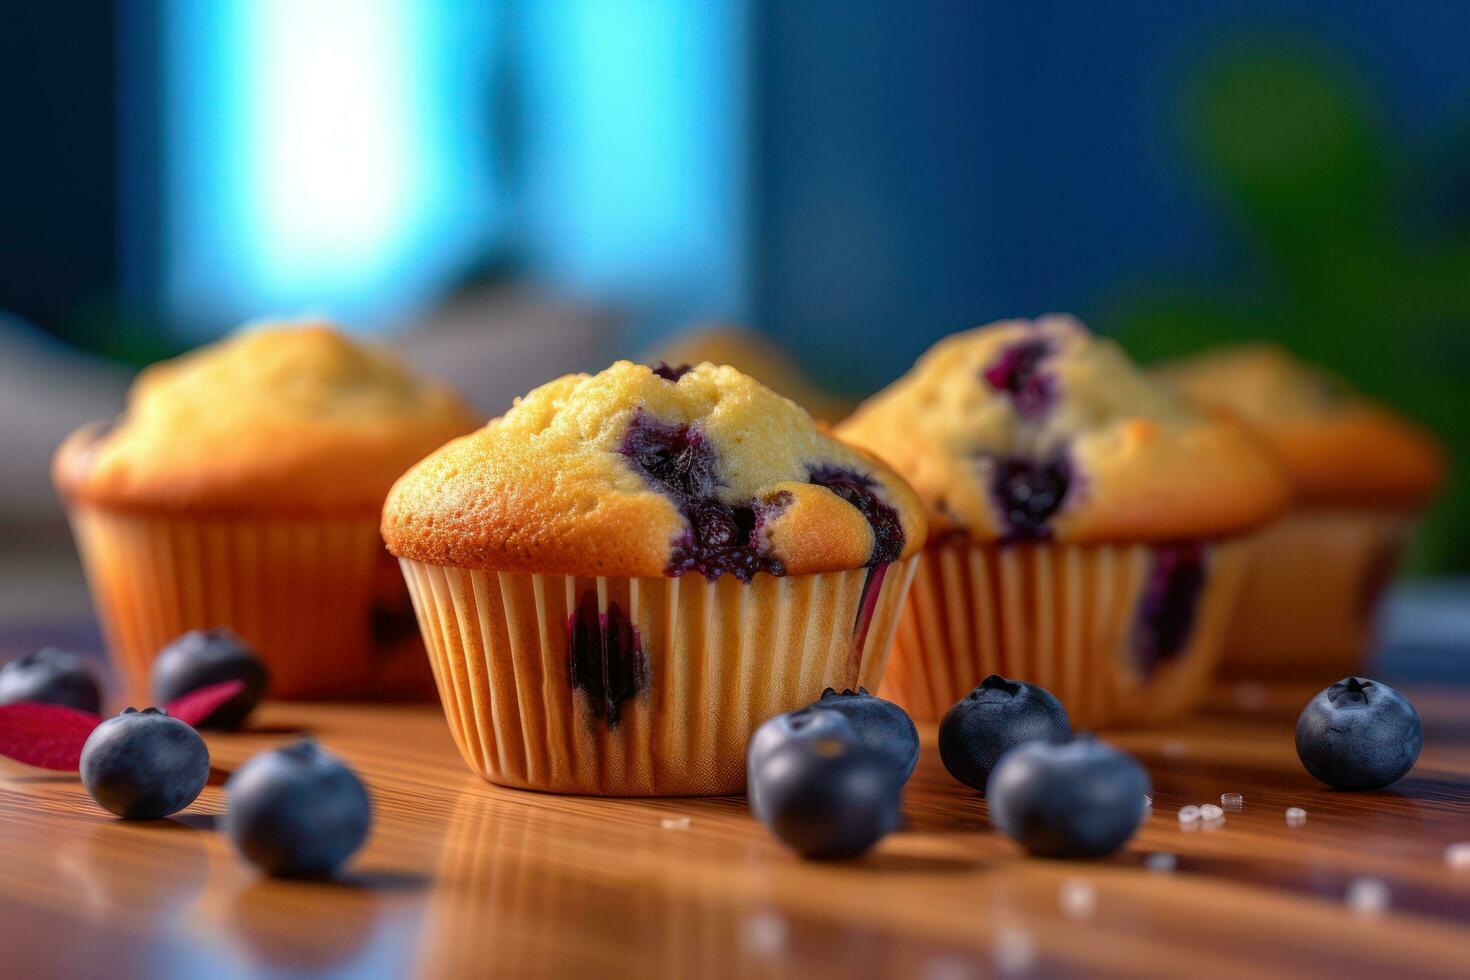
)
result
[(1122, 634), (644, 686), (320, 600), (1311, 589)]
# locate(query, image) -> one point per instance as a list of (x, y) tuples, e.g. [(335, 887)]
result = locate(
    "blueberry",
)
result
[(883, 725), (51, 676), (143, 765), (826, 797), (297, 812), (858, 490), (1079, 798), (993, 719), (804, 724), (1359, 734), (204, 657)]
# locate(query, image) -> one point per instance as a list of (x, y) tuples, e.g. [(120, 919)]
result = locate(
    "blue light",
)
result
[(323, 156)]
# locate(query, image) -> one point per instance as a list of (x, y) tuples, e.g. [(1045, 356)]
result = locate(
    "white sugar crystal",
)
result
[(1368, 896), (1209, 813), (1232, 801), (1295, 816), (1457, 856), (1078, 898), (1161, 861), (1189, 815), (674, 823)]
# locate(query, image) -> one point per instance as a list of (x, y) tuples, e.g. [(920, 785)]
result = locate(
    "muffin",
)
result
[(624, 575), (1361, 476), (1087, 526), (241, 488)]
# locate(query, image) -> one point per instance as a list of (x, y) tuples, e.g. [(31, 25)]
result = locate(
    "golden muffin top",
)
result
[(1339, 446), (281, 418), (641, 472), (757, 354), (1039, 429)]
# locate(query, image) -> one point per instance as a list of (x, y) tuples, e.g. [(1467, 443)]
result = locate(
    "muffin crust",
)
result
[(1339, 447), (281, 419), (638, 473), (1041, 430)]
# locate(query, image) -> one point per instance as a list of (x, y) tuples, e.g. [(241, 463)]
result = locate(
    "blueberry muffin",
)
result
[(624, 575), (241, 488), (1086, 525), (1361, 475)]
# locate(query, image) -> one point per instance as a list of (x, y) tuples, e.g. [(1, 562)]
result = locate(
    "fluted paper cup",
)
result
[(1311, 590), (1122, 634), (646, 686), (319, 599)]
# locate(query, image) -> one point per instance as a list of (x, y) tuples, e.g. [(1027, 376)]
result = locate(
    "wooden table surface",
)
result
[(461, 878)]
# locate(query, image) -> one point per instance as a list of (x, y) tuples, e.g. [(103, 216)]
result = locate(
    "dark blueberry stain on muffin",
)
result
[(680, 462), (1017, 372), (1028, 493), (858, 489), (605, 658), (1167, 608), (663, 370)]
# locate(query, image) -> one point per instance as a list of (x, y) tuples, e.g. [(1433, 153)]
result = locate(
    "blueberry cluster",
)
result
[(1056, 795), (826, 779), (679, 461), (297, 811)]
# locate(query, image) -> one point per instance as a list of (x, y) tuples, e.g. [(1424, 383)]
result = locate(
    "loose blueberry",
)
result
[(143, 765), (882, 725), (826, 797), (51, 676), (204, 657), (801, 725), (297, 812), (1079, 798), (991, 720), (1359, 734)]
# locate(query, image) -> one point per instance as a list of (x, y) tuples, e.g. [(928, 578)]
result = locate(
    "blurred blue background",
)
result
[(556, 184)]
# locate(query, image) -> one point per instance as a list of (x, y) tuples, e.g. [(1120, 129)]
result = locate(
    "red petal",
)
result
[(200, 703), (45, 735)]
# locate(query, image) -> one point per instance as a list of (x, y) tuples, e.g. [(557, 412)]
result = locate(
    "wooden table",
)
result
[(462, 878)]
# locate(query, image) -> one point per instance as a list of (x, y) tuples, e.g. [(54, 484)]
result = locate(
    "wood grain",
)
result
[(461, 878)]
